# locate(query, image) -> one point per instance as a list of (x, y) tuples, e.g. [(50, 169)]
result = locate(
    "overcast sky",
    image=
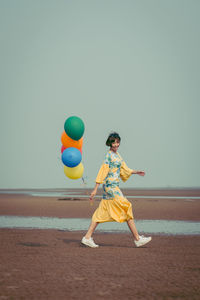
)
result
[(129, 66)]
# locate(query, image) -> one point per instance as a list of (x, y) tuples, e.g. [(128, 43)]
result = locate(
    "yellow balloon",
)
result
[(74, 173)]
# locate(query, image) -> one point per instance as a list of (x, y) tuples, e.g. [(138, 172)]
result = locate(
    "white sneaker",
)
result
[(142, 241), (89, 242)]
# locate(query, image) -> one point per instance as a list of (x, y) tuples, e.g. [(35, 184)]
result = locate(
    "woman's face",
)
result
[(115, 145)]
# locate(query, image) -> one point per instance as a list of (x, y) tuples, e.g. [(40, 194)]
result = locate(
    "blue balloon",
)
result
[(71, 157)]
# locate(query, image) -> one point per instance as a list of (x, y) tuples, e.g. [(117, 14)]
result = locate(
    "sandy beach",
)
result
[(161, 204), (52, 264)]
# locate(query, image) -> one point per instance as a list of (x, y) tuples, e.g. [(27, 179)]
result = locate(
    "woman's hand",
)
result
[(141, 173), (93, 194)]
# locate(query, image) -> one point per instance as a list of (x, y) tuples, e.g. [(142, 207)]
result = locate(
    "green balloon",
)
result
[(74, 128)]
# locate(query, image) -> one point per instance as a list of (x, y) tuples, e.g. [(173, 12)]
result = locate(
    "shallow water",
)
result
[(71, 194), (75, 224)]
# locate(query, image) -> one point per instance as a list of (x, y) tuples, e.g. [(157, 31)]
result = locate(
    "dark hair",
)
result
[(111, 138)]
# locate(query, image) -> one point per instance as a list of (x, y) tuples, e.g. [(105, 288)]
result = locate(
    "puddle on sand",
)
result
[(75, 224), (64, 195)]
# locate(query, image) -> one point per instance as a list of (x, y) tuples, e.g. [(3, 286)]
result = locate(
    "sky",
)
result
[(127, 66)]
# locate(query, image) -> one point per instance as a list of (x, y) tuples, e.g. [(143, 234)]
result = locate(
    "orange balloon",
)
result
[(68, 142)]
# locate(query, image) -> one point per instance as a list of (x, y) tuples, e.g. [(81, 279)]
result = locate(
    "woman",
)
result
[(113, 206)]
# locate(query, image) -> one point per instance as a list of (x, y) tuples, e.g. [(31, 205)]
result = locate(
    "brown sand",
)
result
[(76, 207), (52, 264)]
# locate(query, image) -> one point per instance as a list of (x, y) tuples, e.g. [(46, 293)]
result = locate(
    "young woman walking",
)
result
[(113, 206)]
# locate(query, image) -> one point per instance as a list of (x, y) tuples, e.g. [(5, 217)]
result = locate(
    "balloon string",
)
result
[(87, 193)]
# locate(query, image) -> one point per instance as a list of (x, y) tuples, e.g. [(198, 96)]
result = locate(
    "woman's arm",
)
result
[(94, 191), (141, 173)]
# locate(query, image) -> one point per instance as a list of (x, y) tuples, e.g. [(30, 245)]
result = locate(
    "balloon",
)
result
[(68, 142), (74, 128), (71, 157), (62, 149), (74, 173)]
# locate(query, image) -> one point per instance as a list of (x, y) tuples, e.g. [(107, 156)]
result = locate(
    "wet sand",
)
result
[(76, 207), (52, 264)]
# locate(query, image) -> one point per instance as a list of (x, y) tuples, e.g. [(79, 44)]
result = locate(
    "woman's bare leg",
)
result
[(91, 229), (133, 229)]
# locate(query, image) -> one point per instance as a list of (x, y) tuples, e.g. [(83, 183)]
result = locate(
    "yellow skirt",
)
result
[(118, 209)]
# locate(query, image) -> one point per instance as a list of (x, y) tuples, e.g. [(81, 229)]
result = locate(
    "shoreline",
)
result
[(148, 227), (156, 207)]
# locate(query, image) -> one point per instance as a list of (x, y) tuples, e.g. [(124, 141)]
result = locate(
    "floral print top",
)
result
[(112, 169)]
